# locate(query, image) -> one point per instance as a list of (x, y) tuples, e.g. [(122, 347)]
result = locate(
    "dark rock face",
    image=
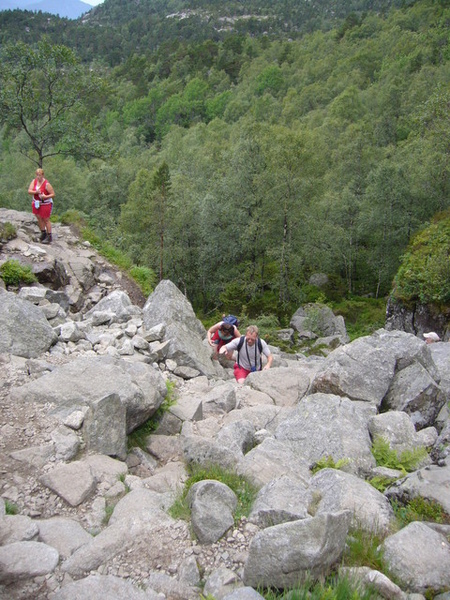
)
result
[(418, 318)]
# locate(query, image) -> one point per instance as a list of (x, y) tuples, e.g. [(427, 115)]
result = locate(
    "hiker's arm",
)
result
[(268, 363), (212, 330)]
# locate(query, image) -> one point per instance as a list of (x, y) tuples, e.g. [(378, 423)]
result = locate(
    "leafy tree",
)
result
[(45, 94), (424, 273), (144, 215)]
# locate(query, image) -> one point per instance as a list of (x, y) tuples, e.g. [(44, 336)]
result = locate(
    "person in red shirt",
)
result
[(42, 204), (220, 334)]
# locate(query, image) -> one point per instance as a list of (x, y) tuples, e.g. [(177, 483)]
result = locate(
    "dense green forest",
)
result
[(237, 162)]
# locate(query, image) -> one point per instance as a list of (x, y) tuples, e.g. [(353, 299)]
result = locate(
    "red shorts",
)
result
[(44, 211), (239, 372)]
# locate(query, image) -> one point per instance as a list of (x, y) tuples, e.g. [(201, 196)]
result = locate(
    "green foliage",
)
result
[(13, 273), (405, 461), (244, 490), (380, 483), (363, 549), (328, 462), (112, 254), (362, 316), (7, 231), (11, 508), (324, 154), (145, 278), (419, 509), (74, 217), (46, 95), (424, 273), (333, 587), (138, 437)]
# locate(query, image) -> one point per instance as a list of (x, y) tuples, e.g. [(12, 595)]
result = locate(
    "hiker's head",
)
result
[(227, 328), (251, 334)]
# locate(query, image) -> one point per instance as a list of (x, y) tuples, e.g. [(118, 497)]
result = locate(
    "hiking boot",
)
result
[(43, 235), (47, 239)]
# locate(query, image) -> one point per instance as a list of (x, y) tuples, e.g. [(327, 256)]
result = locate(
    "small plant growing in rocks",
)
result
[(328, 462), (405, 461), (7, 232), (139, 436), (13, 273), (244, 490), (420, 509)]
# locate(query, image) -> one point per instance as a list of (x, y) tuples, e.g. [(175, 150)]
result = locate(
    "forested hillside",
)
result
[(233, 162)]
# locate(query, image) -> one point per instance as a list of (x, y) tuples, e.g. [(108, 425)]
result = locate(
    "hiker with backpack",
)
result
[(250, 349), (223, 332)]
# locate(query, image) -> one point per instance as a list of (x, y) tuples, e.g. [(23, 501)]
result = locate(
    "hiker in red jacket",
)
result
[(42, 205)]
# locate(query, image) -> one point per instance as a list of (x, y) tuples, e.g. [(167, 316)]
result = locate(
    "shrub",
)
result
[(7, 232), (424, 273), (10, 508), (74, 217), (13, 273)]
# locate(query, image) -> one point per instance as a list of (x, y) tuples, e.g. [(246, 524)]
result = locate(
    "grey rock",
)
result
[(279, 501), (24, 330), (270, 460), (221, 583), (103, 587), (419, 558), (74, 482), (23, 560), (185, 332), (212, 504), (140, 387), (324, 425), (343, 491), (66, 535), (282, 555), (17, 528)]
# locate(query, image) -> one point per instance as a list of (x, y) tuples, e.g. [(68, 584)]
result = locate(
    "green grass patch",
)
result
[(74, 217), (381, 483), (13, 273), (10, 508), (138, 437), (144, 277), (244, 490), (363, 550), (334, 587), (107, 250), (362, 316), (328, 462), (419, 509), (7, 231), (405, 461)]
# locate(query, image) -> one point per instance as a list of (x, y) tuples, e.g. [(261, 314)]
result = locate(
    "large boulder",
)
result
[(24, 329), (320, 320), (168, 306), (86, 381), (325, 425), (282, 555), (364, 370)]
